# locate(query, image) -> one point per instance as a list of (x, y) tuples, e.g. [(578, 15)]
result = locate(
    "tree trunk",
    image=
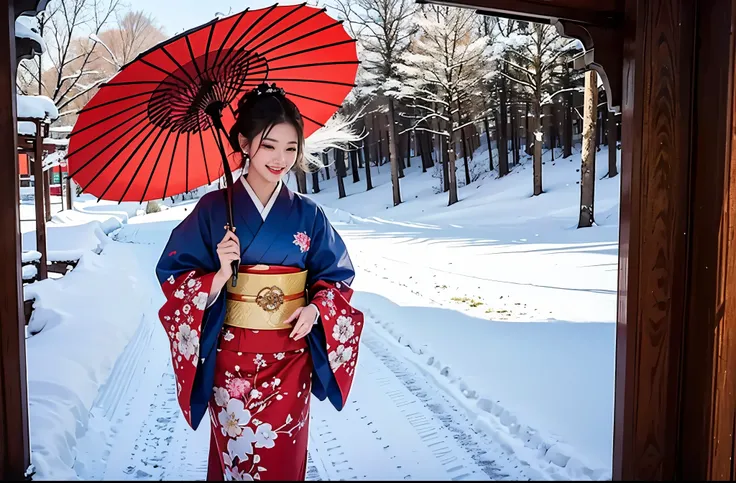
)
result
[(445, 163), (425, 141), (612, 142), (301, 181), (393, 153), (436, 140), (315, 181), (399, 155), (340, 171), (567, 141), (367, 164), (451, 179), (502, 140), (465, 149), (529, 132), (587, 165), (380, 148), (551, 124), (408, 149), (418, 138), (538, 136), (354, 165), (515, 145), (487, 125)]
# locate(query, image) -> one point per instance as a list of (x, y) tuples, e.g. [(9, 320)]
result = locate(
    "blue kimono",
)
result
[(296, 233)]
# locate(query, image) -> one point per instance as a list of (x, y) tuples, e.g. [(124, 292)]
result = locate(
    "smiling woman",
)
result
[(253, 353)]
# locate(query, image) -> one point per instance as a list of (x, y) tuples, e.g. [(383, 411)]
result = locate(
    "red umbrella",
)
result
[(156, 129)]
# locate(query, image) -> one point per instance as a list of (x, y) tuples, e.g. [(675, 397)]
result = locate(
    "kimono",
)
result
[(256, 384)]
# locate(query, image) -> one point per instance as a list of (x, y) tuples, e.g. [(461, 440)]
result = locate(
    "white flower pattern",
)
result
[(188, 341), (235, 418), (344, 329)]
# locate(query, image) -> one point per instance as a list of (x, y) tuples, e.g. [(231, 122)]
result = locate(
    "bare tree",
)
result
[(446, 63), (88, 41), (531, 56), (383, 29), (134, 33)]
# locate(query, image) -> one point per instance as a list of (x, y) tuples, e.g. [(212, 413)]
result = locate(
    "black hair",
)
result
[(259, 110)]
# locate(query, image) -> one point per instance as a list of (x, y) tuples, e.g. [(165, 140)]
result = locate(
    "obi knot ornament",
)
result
[(157, 129), (264, 300)]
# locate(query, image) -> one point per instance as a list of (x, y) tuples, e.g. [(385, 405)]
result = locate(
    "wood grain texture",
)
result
[(652, 273), (708, 396), (14, 438)]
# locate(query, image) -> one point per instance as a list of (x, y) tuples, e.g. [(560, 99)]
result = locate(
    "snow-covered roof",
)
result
[(26, 128), (36, 107), (25, 32), (61, 129), (56, 142)]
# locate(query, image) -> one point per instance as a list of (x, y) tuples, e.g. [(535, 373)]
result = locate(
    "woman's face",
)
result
[(271, 157)]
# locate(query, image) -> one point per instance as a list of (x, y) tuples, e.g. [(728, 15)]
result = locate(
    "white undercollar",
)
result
[(263, 210)]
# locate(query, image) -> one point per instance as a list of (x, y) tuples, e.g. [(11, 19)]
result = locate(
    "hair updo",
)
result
[(259, 110)]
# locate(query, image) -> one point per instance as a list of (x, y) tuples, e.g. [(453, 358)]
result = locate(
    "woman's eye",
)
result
[(268, 146), (292, 150)]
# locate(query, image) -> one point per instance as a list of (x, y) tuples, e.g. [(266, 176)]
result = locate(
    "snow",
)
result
[(36, 107), (29, 271), (30, 256), (489, 341), (81, 310), (26, 128), (24, 31), (537, 352), (53, 159)]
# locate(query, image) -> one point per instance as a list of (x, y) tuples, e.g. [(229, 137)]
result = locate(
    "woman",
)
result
[(253, 352)]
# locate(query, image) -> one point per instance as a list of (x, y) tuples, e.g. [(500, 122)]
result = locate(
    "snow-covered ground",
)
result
[(489, 353), (500, 298)]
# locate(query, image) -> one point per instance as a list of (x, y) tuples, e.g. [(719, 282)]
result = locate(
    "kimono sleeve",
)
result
[(185, 271), (334, 342)]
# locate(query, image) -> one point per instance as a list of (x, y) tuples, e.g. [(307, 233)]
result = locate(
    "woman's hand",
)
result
[(305, 317), (228, 251)]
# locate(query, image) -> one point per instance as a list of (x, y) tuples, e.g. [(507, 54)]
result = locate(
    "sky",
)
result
[(175, 16)]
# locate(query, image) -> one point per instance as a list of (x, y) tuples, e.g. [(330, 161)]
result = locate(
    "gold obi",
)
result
[(263, 301)]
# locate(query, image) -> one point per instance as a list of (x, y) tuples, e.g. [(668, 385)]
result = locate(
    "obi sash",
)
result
[(265, 296)]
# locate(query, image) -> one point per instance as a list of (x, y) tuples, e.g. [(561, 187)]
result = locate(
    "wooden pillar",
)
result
[(14, 435), (39, 201), (675, 410), (69, 194), (47, 192)]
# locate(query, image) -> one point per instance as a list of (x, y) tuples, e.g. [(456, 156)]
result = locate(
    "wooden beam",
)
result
[(14, 433), (600, 12)]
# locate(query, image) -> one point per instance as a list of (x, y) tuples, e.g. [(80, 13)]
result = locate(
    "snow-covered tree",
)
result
[(383, 29), (447, 61), (88, 41), (530, 55)]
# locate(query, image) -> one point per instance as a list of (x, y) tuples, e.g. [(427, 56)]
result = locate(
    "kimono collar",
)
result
[(262, 210)]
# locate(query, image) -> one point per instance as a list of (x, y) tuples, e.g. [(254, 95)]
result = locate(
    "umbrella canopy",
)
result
[(152, 131)]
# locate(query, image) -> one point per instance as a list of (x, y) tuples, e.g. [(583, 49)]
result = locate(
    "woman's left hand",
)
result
[(305, 317)]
